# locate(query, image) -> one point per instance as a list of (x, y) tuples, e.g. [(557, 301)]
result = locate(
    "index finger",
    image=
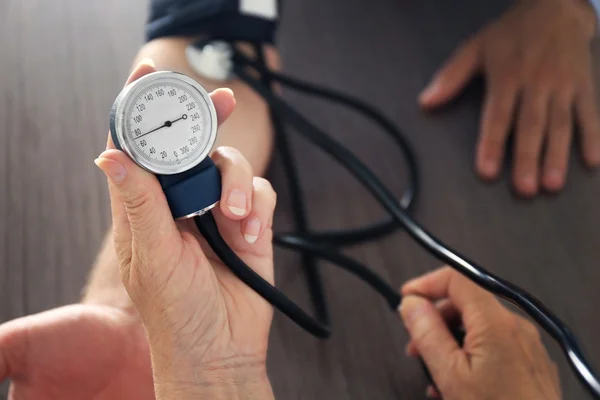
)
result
[(224, 103), (446, 283)]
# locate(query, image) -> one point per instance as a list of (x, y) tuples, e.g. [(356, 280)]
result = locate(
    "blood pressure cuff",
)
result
[(237, 20)]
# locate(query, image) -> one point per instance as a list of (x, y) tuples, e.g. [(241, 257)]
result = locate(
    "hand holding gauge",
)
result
[(163, 261)]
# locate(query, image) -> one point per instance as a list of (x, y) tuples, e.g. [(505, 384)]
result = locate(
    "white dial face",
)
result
[(168, 124)]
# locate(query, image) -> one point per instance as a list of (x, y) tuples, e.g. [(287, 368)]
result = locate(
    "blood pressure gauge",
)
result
[(167, 123)]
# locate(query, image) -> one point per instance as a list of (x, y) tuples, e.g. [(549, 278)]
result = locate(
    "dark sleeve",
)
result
[(243, 20)]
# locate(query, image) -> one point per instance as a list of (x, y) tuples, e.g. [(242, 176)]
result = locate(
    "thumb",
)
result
[(150, 221), (453, 76), (434, 342)]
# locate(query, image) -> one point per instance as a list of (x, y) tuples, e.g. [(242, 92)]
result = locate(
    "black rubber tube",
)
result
[(374, 231), (314, 281), (208, 228), (530, 305)]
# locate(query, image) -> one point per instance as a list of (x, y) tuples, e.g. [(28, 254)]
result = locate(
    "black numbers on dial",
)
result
[(187, 146)]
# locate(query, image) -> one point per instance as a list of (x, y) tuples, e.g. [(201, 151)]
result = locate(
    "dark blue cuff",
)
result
[(215, 18)]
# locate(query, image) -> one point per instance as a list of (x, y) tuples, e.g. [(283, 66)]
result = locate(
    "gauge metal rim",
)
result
[(147, 80), (198, 213)]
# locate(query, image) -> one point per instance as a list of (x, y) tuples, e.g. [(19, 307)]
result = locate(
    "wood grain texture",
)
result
[(64, 61), (62, 64)]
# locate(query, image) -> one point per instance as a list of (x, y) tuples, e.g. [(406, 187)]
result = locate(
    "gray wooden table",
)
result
[(63, 62)]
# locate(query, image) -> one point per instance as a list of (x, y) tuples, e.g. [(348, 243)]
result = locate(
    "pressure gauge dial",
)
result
[(165, 121)]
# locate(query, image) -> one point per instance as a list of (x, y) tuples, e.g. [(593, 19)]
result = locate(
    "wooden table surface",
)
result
[(64, 61)]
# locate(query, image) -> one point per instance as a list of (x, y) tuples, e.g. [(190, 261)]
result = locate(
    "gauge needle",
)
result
[(184, 116), (167, 124)]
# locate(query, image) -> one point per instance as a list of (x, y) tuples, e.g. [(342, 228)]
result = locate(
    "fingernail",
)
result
[(412, 308), (555, 176), (528, 181), (236, 202), (252, 230), (147, 61), (224, 89), (112, 169), (488, 167), (429, 92)]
